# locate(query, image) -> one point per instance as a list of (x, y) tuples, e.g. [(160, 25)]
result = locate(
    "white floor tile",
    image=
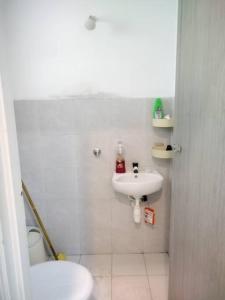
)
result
[(157, 263), (130, 288), (130, 281), (74, 258), (98, 265), (128, 264), (159, 287), (102, 288)]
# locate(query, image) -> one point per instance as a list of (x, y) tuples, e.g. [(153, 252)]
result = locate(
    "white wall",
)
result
[(131, 53)]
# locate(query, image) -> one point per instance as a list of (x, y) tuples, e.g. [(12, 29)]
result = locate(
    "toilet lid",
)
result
[(60, 280)]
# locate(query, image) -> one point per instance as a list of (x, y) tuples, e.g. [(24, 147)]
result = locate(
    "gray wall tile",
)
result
[(56, 117), (95, 225), (29, 150), (59, 151), (60, 182), (26, 113), (73, 188), (127, 237), (62, 222)]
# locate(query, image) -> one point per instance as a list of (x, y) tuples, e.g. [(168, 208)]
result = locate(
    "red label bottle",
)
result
[(120, 166), (120, 161)]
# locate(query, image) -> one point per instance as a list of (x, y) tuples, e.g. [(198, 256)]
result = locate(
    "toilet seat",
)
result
[(60, 280)]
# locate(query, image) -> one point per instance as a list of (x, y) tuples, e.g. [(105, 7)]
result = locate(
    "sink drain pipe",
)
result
[(135, 203)]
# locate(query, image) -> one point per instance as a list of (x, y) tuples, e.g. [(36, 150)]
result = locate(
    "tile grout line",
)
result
[(111, 236), (142, 276), (111, 275), (148, 277)]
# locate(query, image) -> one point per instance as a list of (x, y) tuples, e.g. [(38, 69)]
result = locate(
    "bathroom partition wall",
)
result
[(197, 245), (73, 189)]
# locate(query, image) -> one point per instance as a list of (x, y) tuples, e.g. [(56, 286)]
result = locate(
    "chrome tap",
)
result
[(135, 167)]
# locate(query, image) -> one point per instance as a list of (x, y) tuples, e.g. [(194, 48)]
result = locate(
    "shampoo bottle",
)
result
[(120, 160), (157, 110)]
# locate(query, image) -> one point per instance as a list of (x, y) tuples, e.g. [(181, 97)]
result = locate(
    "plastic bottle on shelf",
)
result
[(157, 110)]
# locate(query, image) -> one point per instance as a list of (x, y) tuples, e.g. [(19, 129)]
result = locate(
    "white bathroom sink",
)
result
[(137, 185)]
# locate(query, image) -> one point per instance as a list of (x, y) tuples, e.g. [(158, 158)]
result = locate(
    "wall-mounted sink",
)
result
[(137, 185)]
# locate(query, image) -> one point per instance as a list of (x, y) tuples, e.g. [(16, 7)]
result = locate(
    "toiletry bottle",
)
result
[(157, 110), (120, 161)]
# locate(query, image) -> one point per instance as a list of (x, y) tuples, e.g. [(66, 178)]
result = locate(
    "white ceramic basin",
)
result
[(137, 185)]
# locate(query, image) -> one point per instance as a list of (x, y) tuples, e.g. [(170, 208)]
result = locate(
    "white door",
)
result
[(4, 284), (14, 261), (197, 245)]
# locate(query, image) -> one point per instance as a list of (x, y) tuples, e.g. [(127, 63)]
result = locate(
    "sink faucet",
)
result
[(135, 167)]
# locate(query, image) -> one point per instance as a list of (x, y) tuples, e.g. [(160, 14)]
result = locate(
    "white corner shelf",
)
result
[(162, 123), (160, 153)]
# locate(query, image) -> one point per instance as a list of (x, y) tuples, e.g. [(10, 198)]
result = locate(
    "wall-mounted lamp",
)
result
[(90, 24)]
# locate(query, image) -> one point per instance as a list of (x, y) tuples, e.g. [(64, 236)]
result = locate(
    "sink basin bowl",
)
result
[(137, 185)]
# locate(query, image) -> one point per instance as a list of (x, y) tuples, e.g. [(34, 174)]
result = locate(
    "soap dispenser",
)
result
[(120, 160)]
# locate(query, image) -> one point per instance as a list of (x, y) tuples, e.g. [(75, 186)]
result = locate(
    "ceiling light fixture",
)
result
[(90, 24)]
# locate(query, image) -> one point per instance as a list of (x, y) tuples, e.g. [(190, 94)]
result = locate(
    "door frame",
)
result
[(14, 272)]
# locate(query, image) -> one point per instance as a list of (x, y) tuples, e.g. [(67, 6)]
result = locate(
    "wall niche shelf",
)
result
[(161, 153), (162, 123)]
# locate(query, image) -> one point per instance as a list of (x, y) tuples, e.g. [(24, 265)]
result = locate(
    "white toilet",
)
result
[(60, 280)]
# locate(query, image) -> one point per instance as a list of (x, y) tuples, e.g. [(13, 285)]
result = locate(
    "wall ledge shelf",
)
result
[(163, 154), (162, 123)]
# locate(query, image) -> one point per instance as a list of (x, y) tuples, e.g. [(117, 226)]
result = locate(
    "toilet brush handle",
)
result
[(38, 219)]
